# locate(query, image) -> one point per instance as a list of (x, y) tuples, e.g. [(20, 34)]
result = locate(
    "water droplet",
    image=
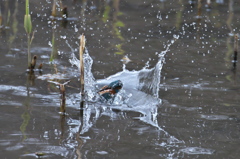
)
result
[(75, 29), (45, 135), (63, 37), (50, 44)]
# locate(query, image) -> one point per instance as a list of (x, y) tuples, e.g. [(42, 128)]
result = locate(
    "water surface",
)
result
[(195, 112)]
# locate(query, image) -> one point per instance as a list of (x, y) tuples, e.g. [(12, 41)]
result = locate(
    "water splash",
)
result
[(89, 80), (140, 92), (145, 80)]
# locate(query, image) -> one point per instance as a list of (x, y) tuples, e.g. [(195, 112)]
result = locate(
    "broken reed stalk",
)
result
[(64, 17), (235, 51), (64, 12), (33, 63), (63, 99), (81, 49), (54, 13)]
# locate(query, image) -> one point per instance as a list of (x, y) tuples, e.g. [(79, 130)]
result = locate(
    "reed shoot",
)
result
[(28, 28)]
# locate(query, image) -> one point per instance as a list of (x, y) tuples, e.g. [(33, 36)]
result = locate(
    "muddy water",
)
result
[(195, 116)]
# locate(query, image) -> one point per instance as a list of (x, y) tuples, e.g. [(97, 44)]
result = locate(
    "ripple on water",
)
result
[(102, 152), (197, 151), (14, 148), (215, 117)]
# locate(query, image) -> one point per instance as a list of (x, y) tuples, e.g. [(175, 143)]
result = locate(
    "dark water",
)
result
[(196, 115)]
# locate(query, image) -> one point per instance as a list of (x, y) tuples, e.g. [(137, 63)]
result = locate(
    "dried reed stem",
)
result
[(54, 12), (81, 49), (63, 97), (33, 63)]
